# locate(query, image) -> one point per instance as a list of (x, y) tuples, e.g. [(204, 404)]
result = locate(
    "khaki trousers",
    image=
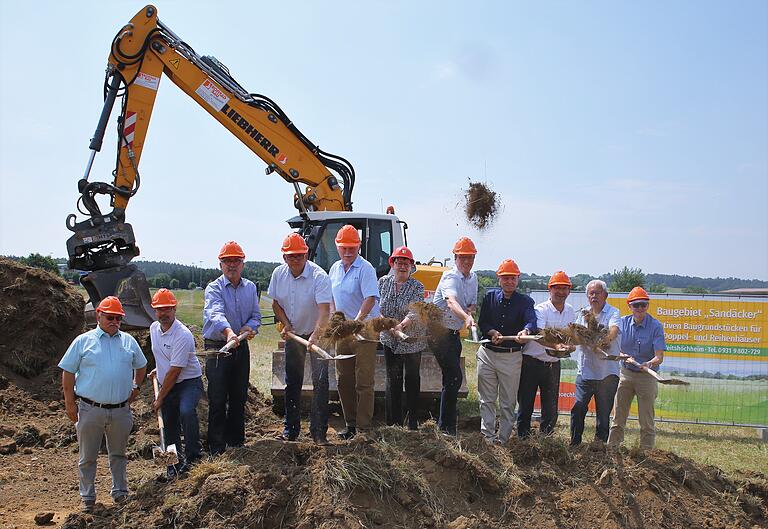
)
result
[(646, 388), (355, 382), (498, 378)]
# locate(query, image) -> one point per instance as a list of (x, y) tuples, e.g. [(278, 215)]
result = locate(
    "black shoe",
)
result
[(347, 434)]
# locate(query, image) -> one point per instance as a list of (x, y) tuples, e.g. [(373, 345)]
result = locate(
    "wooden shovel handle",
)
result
[(648, 370), (230, 344), (524, 338), (305, 343)]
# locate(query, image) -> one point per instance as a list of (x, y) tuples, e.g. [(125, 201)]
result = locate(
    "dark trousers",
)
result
[(227, 393), (544, 377), (393, 395), (295, 355), (447, 351), (604, 392), (180, 413)]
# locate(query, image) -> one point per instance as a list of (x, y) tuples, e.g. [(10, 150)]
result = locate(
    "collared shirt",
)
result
[(509, 316), (395, 305), (227, 306), (591, 365), (641, 341), (103, 365), (548, 317), (351, 287), (300, 296), (174, 348), (462, 289)]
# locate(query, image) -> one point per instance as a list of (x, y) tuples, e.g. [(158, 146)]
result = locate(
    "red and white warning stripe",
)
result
[(129, 128)]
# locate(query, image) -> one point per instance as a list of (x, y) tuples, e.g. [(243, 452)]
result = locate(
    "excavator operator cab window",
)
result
[(379, 245)]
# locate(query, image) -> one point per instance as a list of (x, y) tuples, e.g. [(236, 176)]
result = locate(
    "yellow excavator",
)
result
[(103, 244)]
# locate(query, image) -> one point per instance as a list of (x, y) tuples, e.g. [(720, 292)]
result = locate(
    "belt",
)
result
[(100, 405), (497, 349), (530, 358)]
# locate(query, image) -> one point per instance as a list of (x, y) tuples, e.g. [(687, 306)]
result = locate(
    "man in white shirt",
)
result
[(456, 296), (180, 377), (301, 297), (541, 372)]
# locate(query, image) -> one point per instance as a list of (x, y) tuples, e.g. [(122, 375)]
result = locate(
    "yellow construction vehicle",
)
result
[(103, 244)]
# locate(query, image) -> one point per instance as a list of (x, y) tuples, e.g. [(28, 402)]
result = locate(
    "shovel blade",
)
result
[(166, 457)]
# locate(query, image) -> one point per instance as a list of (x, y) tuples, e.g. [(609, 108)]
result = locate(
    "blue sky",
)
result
[(616, 133)]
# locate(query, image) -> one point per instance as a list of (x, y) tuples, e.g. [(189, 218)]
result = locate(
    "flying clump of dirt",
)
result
[(40, 315), (431, 315), (381, 323), (481, 205), (594, 335)]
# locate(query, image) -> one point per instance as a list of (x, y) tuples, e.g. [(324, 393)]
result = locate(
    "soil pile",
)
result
[(397, 478), (481, 205), (40, 315)]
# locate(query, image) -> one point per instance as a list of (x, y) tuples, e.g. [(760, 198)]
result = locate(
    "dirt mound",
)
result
[(40, 315), (397, 478), (481, 205)]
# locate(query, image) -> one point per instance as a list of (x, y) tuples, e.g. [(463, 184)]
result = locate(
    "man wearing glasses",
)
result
[(301, 299), (642, 338), (231, 309), (103, 370)]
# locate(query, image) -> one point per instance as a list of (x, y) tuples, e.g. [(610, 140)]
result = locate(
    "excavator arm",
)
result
[(142, 53)]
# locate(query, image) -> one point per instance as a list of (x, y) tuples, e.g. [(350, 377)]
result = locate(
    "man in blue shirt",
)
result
[(456, 296), (102, 373), (231, 309), (505, 312), (642, 338), (596, 377), (301, 299), (356, 294)]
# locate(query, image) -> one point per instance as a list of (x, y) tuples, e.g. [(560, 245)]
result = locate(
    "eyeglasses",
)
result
[(232, 262), (295, 256), (639, 304), (113, 317)]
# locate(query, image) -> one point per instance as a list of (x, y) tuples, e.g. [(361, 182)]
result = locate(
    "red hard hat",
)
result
[(163, 298), (348, 236), (508, 268), (110, 305), (636, 294), (559, 278), (403, 251), (294, 244), (231, 249), (464, 246)]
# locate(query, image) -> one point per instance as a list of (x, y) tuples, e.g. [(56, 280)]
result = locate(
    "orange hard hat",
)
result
[(403, 251), (637, 294), (231, 249), (348, 236), (163, 298), (110, 305), (508, 268), (559, 278), (464, 246), (294, 244)]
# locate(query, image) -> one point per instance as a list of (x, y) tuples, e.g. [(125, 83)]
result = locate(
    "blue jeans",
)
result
[(393, 393), (295, 354), (180, 412), (447, 351), (227, 393), (604, 392)]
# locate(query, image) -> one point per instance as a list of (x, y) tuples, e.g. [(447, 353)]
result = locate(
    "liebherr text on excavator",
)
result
[(103, 244)]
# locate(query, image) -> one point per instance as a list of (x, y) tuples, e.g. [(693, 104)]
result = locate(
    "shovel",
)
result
[(525, 338), (400, 335), (315, 349), (162, 455), (606, 356), (361, 338), (654, 374), (224, 351)]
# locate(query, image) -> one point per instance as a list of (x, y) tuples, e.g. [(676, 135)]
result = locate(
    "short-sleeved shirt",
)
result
[(591, 365), (300, 296), (103, 365), (351, 287), (462, 288), (548, 317), (174, 348), (227, 306), (641, 341), (395, 305)]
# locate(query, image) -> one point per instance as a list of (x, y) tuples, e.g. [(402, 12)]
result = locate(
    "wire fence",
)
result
[(718, 344)]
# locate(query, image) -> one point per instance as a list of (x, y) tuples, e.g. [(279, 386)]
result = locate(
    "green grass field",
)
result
[(732, 449)]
